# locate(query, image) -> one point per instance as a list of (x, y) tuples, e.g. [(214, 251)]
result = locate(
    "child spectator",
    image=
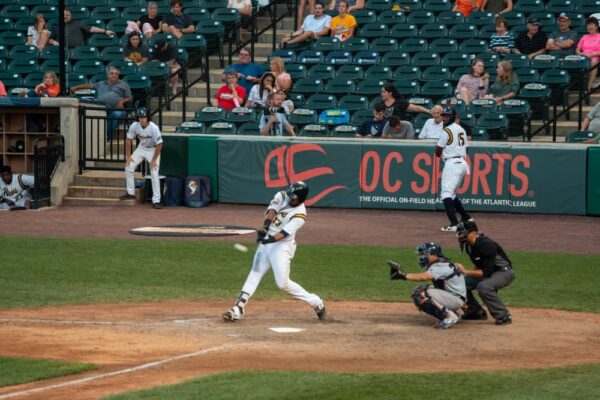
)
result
[(374, 127)]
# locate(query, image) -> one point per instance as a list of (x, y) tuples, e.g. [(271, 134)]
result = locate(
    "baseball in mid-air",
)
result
[(240, 247)]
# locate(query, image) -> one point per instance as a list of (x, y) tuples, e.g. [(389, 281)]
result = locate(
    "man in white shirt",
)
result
[(433, 127), (273, 121), (314, 26)]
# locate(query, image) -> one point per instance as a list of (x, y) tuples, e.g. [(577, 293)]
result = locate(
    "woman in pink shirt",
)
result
[(589, 46)]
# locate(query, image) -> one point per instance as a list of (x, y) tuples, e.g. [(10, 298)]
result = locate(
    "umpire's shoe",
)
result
[(475, 315), (504, 320), (321, 311), (235, 313)]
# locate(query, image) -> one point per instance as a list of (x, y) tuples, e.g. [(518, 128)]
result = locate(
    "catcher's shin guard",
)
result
[(426, 304)]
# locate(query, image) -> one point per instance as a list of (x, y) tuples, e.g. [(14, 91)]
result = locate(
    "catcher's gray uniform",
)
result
[(449, 289)]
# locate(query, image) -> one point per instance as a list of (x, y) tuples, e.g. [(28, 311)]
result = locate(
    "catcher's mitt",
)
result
[(396, 272)]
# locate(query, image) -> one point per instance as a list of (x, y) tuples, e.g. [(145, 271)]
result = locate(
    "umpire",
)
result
[(492, 271)]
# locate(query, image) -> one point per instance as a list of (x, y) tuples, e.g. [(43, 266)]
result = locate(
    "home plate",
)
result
[(284, 329)]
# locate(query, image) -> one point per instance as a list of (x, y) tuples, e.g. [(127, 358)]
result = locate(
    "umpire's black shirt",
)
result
[(488, 256)]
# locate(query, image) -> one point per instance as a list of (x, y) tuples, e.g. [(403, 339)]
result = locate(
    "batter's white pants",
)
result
[(445, 299), (452, 175), (140, 154), (277, 256)]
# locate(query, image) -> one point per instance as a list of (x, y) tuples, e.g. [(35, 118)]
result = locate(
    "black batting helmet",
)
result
[(141, 112), (298, 191), (451, 113), (427, 249)]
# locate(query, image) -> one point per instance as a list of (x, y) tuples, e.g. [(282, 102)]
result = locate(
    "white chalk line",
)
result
[(114, 373), (114, 323)]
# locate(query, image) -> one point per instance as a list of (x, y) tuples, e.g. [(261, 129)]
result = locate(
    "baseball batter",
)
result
[(285, 215), (452, 148), (149, 149), (14, 190), (448, 292)]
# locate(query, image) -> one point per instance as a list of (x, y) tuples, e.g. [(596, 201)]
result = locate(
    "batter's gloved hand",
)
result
[(268, 239), (396, 272), (261, 234)]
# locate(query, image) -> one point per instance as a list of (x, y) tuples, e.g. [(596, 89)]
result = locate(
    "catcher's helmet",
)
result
[(427, 249), (451, 113), (298, 191), (141, 112)]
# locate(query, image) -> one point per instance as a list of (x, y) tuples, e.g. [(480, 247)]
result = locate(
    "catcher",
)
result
[(448, 292)]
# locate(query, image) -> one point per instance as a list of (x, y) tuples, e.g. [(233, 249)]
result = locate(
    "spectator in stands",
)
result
[(149, 24), (50, 87), (343, 24), (75, 31), (396, 129), (396, 104), (352, 5), (2, 90), (230, 95), (314, 26), (248, 73), (374, 127), (114, 94), (302, 8), (503, 41), (589, 46), (135, 51), (562, 42), (506, 85), (533, 41), (38, 34), (497, 7), (287, 104), (283, 80), (166, 53), (466, 7), (177, 23), (434, 126), (244, 7), (259, 94), (473, 85), (591, 122), (273, 122)]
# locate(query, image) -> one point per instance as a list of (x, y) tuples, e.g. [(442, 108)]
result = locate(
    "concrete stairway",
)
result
[(99, 188)]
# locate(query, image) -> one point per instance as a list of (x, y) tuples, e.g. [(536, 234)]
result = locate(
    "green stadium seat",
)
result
[(426, 59), (195, 45), (485, 32), (122, 4), (308, 86), (559, 6), (351, 71), (544, 61), (105, 13), (288, 56), (438, 6), (547, 20), (327, 43), (88, 67), (369, 87), (409, 5), (322, 101), (479, 134), (518, 113), (296, 70), (443, 46), (403, 31), (496, 125), (296, 98), (421, 101), (408, 88), (578, 67), (473, 46), (134, 13), (579, 136), (480, 18), (353, 102), (413, 45), (240, 115), (303, 116), (559, 81), (314, 130), (213, 32), (230, 18), (33, 79), (14, 11), (379, 5), (396, 59), (482, 106), (23, 66), (10, 79), (139, 85), (529, 6), (458, 72), (420, 120), (364, 16), (346, 130), (210, 114), (3, 64), (222, 128), (126, 67), (23, 23), (436, 90), (74, 79), (311, 57), (339, 57), (433, 31), (6, 24), (24, 52), (211, 4), (101, 40), (455, 103), (111, 53), (407, 72), (91, 3), (517, 60), (514, 18), (374, 30), (361, 116), (379, 72), (84, 53), (154, 69), (391, 17), (420, 17), (455, 59), (199, 14), (355, 44), (462, 31), (78, 13), (436, 73), (450, 18), (490, 60), (384, 45), (249, 128), (366, 57), (12, 38), (91, 21), (527, 75), (117, 25)]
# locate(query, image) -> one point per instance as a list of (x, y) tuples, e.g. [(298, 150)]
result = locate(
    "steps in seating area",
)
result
[(99, 188)]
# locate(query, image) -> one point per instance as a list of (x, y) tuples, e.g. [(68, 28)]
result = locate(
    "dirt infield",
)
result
[(143, 345)]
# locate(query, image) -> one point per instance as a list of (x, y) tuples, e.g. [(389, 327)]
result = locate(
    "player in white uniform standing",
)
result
[(149, 149), (14, 190), (284, 217), (452, 148)]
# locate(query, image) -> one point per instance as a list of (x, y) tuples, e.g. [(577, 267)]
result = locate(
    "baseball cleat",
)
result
[(450, 320), (504, 320), (233, 314), (449, 228), (321, 311)]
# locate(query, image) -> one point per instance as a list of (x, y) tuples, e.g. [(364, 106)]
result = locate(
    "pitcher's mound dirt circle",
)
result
[(358, 336)]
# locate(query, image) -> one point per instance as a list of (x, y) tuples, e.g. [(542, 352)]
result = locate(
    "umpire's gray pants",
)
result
[(488, 290), (445, 299)]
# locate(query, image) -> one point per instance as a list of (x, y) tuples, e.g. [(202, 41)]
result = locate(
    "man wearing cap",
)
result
[(562, 42), (149, 149), (533, 41)]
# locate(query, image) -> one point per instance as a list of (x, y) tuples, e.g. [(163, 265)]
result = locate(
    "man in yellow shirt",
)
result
[(344, 24)]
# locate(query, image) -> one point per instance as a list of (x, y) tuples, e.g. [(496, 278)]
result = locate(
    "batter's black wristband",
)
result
[(267, 223)]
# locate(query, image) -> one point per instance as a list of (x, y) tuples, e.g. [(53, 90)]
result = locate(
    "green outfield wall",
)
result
[(505, 177)]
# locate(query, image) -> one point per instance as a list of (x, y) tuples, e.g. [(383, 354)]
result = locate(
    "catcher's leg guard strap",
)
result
[(425, 304)]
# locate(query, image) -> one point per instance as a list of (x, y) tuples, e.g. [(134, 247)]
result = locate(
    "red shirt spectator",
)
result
[(230, 95)]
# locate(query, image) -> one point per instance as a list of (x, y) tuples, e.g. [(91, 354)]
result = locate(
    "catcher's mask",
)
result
[(298, 191), (427, 249), (448, 116), (462, 231)]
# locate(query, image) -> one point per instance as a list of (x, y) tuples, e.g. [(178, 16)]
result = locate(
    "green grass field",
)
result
[(14, 370), (53, 271)]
